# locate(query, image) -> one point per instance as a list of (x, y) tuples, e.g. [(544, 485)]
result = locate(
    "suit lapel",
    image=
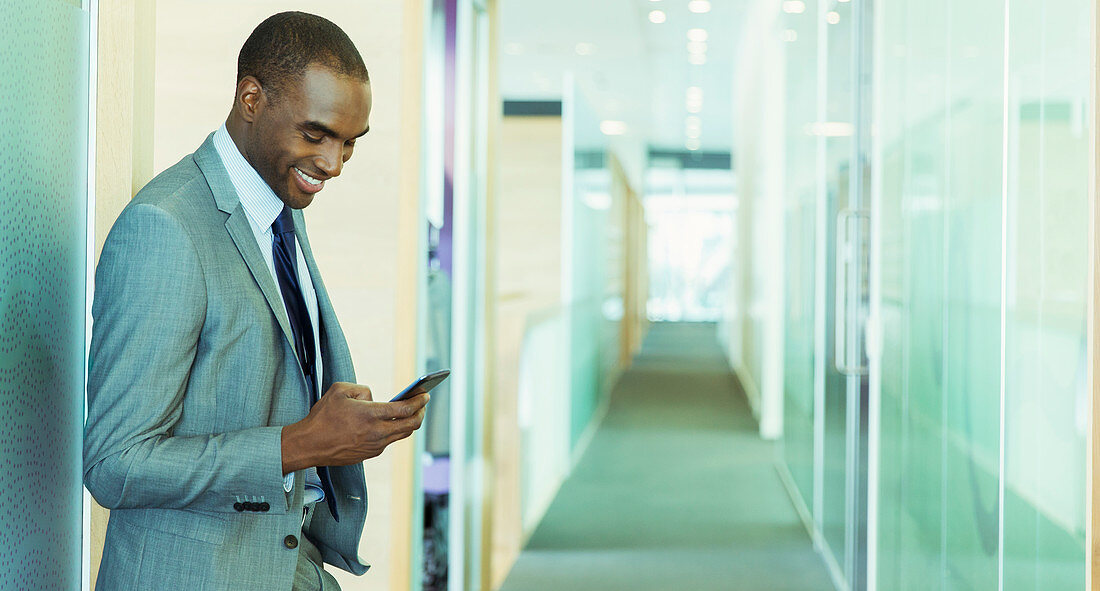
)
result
[(240, 230)]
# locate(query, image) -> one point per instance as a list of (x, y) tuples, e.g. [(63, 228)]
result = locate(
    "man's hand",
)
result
[(346, 426)]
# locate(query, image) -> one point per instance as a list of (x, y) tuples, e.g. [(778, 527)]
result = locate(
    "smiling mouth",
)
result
[(307, 184), (305, 177)]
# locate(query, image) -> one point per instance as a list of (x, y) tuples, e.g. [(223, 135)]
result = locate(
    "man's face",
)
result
[(304, 137)]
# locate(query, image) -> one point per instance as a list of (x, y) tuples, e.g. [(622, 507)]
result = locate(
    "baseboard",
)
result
[(835, 572), (751, 391), (589, 432)]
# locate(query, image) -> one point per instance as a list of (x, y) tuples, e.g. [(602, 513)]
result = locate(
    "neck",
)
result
[(238, 130)]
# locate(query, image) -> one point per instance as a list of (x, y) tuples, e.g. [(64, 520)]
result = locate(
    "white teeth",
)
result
[(307, 178)]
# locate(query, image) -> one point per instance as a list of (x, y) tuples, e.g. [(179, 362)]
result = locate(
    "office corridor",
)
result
[(676, 492)]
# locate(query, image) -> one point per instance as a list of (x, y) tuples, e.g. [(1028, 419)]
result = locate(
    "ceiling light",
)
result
[(694, 101), (833, 17), (790, 35), (699, 35), (692, 144), (696, 47), (583, 48), (697, 59), (657, 16), (829, 129), (693, 127), (794, 6), (513, 48), (699, 6), (611, 127)]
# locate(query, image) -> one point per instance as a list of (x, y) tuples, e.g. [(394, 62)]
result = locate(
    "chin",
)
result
[(295, 199)]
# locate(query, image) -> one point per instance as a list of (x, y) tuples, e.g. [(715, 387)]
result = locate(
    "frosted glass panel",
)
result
[(983, 243), (801, 257), (43, 202), (1045, 389)]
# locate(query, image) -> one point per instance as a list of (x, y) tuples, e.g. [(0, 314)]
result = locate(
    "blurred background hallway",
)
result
[(676, 489)]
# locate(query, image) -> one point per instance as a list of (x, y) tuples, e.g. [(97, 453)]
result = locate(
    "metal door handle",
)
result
[(848, 356)]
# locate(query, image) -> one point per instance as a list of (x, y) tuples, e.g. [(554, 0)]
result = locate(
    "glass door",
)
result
[(841, 128)]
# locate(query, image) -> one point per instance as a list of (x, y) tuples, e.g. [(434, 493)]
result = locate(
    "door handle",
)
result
[(851, 254)]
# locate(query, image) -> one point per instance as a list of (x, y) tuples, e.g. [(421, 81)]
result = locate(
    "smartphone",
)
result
[(424, 384)]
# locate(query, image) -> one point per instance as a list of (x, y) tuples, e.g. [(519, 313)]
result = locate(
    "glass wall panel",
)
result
[(972, 340), (911, 478), (1045, 389), (983, 245), (43, 222), (801, 253), (837, 132), (980, 130)]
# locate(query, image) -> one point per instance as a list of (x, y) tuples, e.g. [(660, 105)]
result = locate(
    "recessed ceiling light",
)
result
[(583, 48), (697, 59), (657, 16), (699, 6), (693, 127), (794, 6), (696, 47), (692, 144), (699, 35), (612, 127), (833, 17)]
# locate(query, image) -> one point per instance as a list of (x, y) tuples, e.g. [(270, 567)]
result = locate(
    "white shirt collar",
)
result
[(258, 200)]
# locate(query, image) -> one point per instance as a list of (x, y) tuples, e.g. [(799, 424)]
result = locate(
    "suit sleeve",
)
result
[(148, 313)]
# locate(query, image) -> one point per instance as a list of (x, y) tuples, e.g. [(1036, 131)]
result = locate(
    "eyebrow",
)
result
[(322, 128)]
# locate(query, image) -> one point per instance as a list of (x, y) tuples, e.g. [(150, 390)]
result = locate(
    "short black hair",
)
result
[(282, 47)]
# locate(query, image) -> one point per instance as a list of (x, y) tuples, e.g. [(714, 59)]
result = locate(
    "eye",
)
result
[(311, 139)]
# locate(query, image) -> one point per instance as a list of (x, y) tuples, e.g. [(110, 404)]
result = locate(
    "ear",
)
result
[(250, 100)]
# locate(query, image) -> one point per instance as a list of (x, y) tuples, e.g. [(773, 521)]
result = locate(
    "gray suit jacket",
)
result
[(192, 375)]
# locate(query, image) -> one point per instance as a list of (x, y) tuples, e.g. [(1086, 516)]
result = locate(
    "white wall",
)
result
[(753, 326)]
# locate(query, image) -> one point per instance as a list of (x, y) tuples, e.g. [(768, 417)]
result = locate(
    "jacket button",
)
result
[(238, 506), (265, 506), (290, 542)]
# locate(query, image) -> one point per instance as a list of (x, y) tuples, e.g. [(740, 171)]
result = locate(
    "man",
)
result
[(214, 339)]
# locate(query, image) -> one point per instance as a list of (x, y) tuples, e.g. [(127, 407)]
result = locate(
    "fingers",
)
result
[(408, 408), (360, 392), (405, 427), (349, 390)]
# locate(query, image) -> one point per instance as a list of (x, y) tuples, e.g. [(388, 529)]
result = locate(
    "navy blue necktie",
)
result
[(283, 247)]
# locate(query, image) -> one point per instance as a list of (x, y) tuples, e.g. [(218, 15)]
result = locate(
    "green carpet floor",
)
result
[(676, 492)]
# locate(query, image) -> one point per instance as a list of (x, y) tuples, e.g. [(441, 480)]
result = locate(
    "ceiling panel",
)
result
[(628, 68)]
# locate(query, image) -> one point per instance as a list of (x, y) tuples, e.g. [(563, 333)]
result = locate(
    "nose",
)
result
[(331, 160)]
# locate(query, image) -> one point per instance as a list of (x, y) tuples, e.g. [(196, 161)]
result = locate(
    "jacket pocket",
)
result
[(204, 527)]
